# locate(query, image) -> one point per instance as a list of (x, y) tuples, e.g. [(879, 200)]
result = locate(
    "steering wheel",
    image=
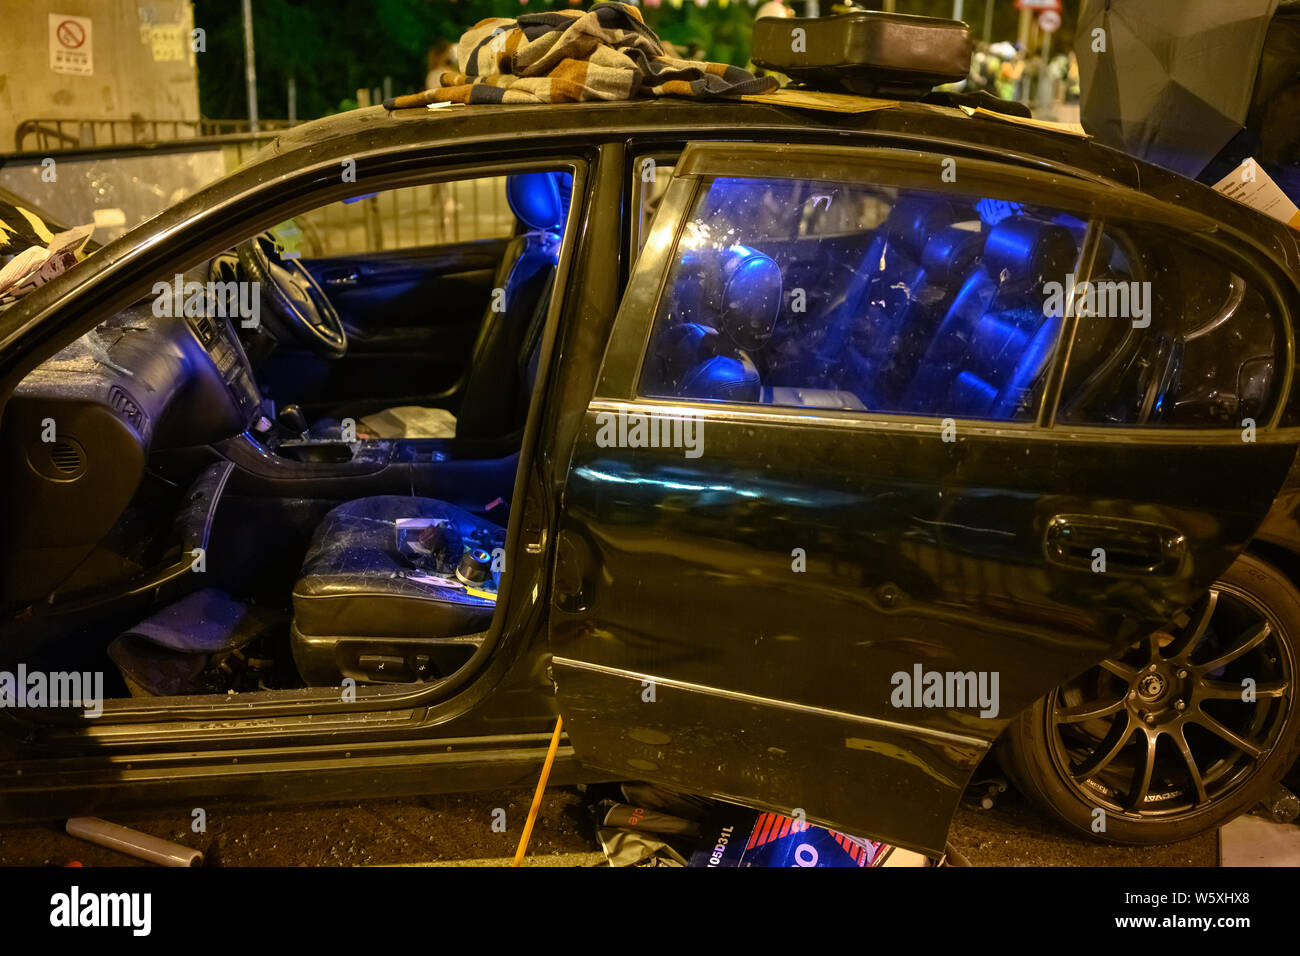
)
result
[(300, 312)]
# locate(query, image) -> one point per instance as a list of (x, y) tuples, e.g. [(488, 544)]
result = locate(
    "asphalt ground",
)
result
[(458, 830)]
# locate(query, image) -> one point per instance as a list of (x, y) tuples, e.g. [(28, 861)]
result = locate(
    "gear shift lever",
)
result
[(292, 418)]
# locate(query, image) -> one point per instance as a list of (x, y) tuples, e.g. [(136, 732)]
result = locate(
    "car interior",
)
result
[(848, 297), (916, 303), (217, 492)]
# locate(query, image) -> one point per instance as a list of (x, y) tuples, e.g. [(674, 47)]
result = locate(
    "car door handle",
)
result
[(1127, 545)]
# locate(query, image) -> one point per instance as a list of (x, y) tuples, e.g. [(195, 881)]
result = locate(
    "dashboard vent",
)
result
[(121, 402), (61, 460), (65, 457)]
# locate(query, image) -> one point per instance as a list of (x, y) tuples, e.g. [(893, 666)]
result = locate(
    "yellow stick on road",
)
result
[(537, 797)]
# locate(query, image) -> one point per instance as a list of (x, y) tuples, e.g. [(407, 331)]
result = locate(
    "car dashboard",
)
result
[(79, 431)]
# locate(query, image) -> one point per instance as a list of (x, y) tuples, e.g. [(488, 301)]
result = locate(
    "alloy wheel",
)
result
[(1183, 718)]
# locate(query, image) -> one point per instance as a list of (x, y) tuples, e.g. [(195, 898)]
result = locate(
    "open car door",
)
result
[(843, 502)]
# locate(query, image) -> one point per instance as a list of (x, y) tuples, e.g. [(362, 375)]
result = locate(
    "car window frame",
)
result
[(876, 165), (1098, 203), (635, 151), (637, 192)]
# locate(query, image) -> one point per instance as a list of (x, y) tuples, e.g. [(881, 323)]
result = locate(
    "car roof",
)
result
[(651, 113)]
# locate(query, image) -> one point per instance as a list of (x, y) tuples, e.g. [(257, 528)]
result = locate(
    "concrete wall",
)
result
[(142, 62)]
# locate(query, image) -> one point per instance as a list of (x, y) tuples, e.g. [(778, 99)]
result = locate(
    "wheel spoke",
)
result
[(1142, 774), (1198, 781), (1121, 670), (1088, 711), (1196, 628), (1247, 642), (1216, 728), (1107, 750), (1225, 690)]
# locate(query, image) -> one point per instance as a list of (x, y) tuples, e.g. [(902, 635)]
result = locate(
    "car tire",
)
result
[(1048, 751)]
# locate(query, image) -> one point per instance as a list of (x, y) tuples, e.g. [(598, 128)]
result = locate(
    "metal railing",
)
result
[(40, 135), (410, 217)]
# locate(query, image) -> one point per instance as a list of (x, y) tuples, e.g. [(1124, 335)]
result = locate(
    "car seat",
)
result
[(724, 307), (363, 609), (995, 340), (494, 396)]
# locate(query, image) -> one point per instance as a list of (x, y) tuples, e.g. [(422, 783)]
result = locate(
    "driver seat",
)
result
[(363, 609), (496, 388)]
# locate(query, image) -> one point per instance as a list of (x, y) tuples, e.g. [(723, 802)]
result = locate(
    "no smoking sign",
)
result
[(70, 45)]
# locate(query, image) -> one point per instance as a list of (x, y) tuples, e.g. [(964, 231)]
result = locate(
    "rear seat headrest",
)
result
[(950, 252), (751, 297), (914, 219), (1022, 247)]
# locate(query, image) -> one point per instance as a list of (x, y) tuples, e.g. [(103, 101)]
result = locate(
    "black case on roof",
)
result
[(874, 54)]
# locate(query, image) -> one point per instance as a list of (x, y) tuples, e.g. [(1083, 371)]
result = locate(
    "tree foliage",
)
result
[(331, 49)]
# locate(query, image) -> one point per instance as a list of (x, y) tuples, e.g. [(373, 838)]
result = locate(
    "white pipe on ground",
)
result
[(133, 842)]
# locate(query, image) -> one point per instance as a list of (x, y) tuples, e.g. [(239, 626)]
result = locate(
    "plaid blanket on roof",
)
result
[(568, 56)]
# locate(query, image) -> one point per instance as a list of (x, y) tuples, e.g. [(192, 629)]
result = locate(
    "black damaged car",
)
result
[(798, 451)]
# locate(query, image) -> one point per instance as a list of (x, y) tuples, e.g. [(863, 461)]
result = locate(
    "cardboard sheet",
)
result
[(826, 102)]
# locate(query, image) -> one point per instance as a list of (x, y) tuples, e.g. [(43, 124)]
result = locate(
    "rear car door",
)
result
[(823, 533)]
